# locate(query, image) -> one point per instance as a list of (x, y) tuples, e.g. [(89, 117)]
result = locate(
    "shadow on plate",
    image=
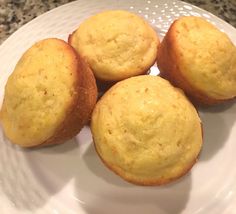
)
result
[(222, 107), (17, 182), (217, 122), (32, 176), (101, 191), (95, 166), (29, 177)]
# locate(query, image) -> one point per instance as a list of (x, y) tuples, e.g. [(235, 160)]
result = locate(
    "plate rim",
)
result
[(35, 20)]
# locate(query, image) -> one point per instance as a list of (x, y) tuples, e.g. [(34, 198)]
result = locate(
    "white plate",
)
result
[(70, 178)]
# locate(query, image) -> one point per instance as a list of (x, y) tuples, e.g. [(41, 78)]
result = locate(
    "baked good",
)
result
[(200, 59), (117, 44), (146, 131), (49, 96)]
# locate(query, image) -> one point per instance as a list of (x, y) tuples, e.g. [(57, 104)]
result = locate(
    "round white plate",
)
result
[(70, 178)]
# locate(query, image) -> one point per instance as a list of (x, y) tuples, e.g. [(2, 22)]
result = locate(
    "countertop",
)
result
[(14, 14)]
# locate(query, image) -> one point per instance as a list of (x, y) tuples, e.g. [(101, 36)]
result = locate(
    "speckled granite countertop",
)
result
[(14, 14)]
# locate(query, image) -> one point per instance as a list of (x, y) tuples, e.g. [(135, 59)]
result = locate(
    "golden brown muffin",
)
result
[(117, 44), (49, 96), (200, 59), (146, 131)]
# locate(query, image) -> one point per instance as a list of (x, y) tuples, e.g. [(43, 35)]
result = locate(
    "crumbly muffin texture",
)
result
[(200, 59), (117, 44), (146, 131), (42, 93)]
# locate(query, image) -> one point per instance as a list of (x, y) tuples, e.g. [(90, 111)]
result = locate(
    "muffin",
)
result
[(49, 96), (200, 59), (117, 44), (146, 131)]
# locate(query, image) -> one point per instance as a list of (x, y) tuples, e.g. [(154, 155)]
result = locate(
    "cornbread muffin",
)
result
[(117, 44), (200, 59), (153, 140), (49, 96)]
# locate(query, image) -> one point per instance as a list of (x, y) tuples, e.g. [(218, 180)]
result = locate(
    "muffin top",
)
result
[(206, 57), (40, 92), (146, 130), (117, 44)]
